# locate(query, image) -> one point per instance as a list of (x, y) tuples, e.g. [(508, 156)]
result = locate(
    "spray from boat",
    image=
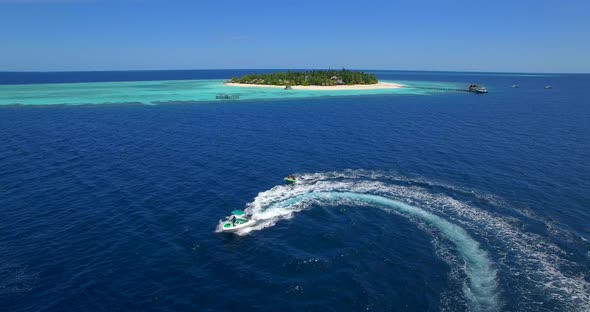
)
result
[(458, 227)]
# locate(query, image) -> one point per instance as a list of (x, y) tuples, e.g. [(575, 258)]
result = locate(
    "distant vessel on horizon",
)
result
[(477, 89)]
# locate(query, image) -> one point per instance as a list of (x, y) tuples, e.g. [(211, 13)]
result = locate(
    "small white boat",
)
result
[(477, 89), (236, 221), (548, 87)]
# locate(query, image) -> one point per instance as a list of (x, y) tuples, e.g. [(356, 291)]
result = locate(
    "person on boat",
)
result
[(233, 220)]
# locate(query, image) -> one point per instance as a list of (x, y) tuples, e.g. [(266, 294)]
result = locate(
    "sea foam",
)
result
[(513, 255)]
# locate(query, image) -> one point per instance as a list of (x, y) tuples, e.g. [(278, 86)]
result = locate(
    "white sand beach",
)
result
[(380, 85)]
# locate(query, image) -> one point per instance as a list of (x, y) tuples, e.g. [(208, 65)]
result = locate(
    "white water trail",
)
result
[(522, 256)]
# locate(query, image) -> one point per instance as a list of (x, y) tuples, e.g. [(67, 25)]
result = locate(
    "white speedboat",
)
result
[(477, 89), (236, 221)]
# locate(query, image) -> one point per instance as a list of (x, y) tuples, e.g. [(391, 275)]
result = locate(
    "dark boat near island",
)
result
[(477, 89), (227, 97)]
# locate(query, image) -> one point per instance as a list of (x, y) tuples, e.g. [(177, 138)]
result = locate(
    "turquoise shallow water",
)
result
[(163, 91)]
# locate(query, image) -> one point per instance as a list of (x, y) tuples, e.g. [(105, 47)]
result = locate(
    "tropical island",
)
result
[(313, 80)]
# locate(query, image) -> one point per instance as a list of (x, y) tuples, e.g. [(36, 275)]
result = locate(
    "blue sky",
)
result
[(513, 36)]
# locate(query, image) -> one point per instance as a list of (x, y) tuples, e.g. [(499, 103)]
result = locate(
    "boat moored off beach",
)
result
[(477, 89), (227, 97)]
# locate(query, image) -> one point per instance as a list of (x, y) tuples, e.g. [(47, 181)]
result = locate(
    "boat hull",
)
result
[(227, 226)]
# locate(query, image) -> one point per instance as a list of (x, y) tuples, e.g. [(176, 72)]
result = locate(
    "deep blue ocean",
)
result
[(444, 202)]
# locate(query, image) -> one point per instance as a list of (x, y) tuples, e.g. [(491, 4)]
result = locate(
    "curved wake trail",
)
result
[(522, 258)]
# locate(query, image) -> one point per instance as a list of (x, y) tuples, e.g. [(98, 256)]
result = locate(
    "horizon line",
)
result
[(293, 69)]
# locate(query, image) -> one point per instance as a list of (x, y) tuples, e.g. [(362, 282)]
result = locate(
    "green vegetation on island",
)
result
[(309, 78)]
